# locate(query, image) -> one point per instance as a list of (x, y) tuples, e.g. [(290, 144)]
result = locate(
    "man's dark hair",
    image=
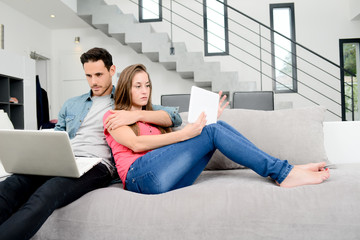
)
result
[(96, 54)]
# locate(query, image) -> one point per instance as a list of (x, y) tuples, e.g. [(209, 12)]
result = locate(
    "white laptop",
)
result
[(47, 153), (202, 100)]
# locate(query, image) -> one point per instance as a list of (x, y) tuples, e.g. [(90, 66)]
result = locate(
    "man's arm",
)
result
[(61, 123), (173, 113), (161, 116)]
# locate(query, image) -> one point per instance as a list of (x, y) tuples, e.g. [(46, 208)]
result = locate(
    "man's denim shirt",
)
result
[(75, 109)]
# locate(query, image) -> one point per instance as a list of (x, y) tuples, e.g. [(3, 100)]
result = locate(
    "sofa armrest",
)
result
[(342, 141)]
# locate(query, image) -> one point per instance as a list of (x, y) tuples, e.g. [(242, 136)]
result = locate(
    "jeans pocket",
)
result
[(147, 183)]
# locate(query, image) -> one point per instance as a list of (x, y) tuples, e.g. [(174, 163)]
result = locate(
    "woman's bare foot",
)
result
[(315, 167), (300, 175)]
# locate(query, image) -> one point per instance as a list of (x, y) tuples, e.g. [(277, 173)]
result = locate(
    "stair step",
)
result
[(155, 42), (129, 33), (87, 19), (137, 32), (101, 17), (106, 12), (88, 7), (126, 20), (103, 27), (167, 60), (152, 45), (207, 72), (119, 37), (232, 84), (284, 105), (186, 64)]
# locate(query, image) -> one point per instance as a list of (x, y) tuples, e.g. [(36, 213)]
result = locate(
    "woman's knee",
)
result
[(223, 123)]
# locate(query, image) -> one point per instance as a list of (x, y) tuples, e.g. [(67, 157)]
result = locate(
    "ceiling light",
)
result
[(52, 16), (77, 40)]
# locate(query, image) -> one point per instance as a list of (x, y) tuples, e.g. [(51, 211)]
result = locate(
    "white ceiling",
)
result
[(40, 11)]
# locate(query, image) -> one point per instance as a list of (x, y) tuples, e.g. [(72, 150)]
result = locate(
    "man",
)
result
[(26, 201)]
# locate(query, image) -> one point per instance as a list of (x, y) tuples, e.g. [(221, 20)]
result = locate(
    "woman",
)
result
[(153, 160)]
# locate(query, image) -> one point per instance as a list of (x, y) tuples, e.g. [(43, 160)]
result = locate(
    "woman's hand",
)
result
[(192, 130), (222, 105)]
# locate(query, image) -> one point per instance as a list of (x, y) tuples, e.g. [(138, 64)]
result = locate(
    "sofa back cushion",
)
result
[(295, 135)]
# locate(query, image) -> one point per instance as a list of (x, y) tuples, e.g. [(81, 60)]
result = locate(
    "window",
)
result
[(215, 28), (283, 50), (150, 10), (350, 91)]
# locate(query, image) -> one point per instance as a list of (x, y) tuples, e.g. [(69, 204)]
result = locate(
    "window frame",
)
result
[(291, 7), (226, 32), (141, 19)]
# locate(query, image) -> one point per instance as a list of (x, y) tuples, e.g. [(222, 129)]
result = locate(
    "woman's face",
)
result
[(140, 90)]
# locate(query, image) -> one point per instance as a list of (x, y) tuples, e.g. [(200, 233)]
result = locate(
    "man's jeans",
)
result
[(26, 201), (178, 165)]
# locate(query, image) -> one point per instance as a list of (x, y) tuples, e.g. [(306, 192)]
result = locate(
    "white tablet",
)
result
[(202, 100)]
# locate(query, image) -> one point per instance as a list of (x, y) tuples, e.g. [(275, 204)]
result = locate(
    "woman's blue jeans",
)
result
[(179, 165), (26, 201)]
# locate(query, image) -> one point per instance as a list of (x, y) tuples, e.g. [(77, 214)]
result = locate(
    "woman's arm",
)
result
[(125, 136)]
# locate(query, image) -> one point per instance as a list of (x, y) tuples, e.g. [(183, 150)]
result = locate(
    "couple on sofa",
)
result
[(149, 158)]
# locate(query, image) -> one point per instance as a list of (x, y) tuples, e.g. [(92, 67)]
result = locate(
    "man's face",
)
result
[(99, 78)]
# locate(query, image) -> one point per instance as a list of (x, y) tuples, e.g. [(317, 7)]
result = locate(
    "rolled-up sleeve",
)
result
[(61, 124), (173, 113)]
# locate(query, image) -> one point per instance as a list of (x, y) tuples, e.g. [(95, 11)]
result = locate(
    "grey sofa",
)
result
[(232, 202)]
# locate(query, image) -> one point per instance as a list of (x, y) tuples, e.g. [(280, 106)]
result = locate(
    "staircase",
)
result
[(156, 46), (251, 46), (355, 10)]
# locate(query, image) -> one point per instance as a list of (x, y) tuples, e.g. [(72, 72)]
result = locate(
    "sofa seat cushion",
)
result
[(231, 204)]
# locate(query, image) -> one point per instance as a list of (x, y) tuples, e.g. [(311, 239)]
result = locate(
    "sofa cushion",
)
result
[(230, 204), (295, 135)]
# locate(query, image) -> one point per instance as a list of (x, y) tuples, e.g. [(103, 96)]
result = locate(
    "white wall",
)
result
[(23, 35)]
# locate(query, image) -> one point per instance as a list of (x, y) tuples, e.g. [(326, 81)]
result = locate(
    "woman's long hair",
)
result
[(123, 99)]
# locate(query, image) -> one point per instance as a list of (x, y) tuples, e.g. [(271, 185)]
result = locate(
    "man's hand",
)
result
[(121, 118), (222, 105)]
